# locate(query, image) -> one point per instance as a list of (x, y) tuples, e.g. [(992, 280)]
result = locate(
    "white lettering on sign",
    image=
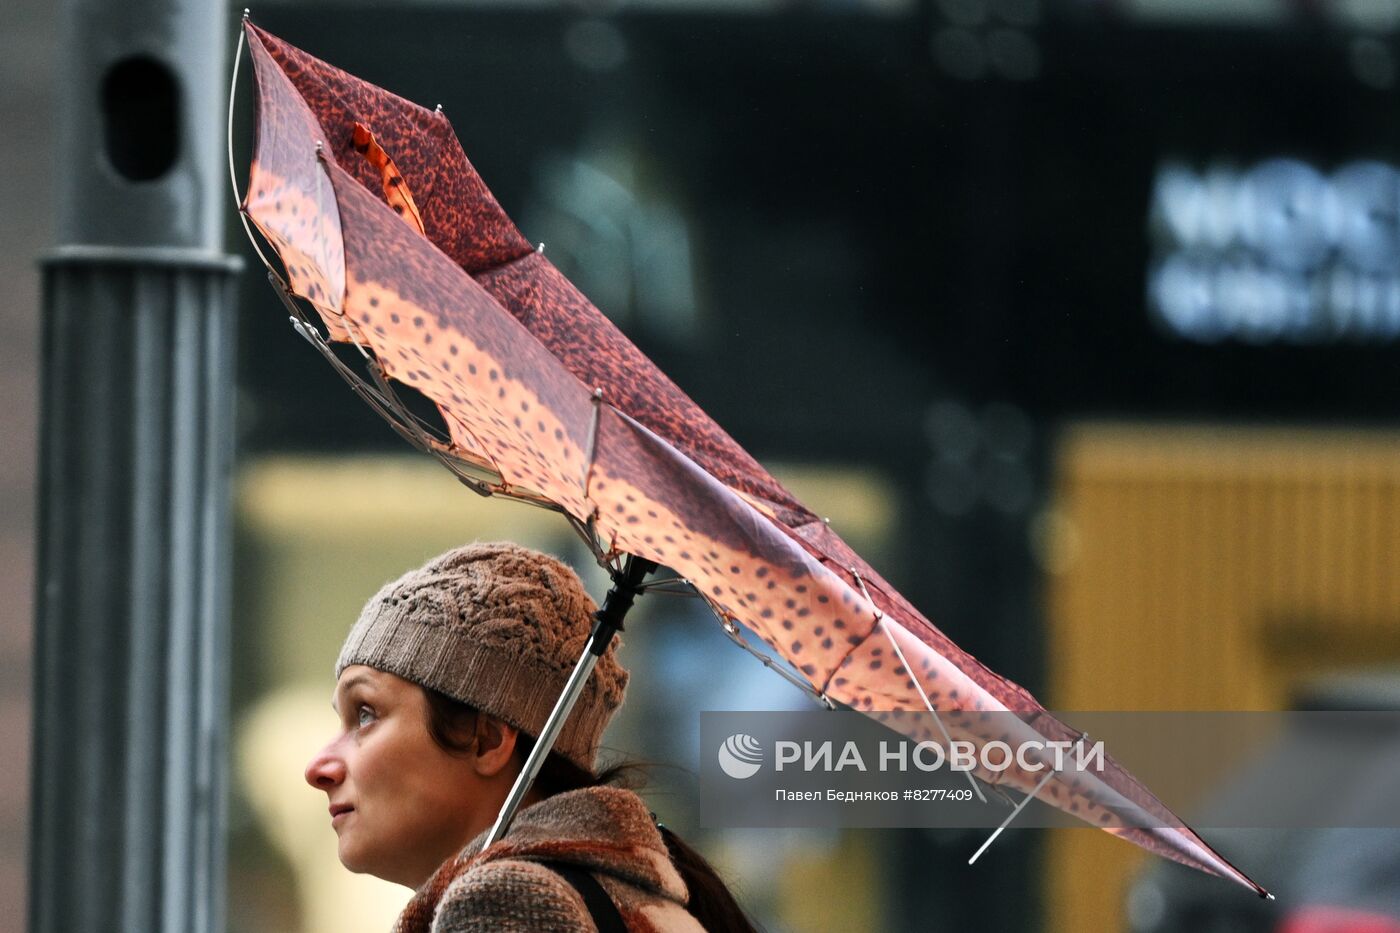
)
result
[(1279, 252)]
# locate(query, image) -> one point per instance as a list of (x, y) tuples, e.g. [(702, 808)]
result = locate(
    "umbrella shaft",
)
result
[(551, 730)]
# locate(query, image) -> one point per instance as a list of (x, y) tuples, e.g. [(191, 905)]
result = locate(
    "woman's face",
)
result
[(399, 803)]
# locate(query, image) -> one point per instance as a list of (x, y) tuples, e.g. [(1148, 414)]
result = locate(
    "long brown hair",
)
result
[(711, 902)]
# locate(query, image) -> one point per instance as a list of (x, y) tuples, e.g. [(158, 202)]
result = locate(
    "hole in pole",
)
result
[(140, 118)]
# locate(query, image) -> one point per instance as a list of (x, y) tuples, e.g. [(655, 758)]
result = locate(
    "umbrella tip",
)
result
[(246, 13), (437, 109), (1267, 896), (540, 249)]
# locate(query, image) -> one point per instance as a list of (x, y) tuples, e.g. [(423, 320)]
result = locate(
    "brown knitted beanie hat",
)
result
[(498, 627)]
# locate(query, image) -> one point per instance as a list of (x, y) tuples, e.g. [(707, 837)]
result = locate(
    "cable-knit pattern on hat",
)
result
[(496, 626)]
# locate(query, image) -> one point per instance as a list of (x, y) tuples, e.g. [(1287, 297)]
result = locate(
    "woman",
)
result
[(446, 676)]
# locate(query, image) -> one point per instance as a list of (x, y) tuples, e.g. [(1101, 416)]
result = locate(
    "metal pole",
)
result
[(131, 654), (606, 624)]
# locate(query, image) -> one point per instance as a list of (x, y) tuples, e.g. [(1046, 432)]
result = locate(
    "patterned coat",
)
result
[(607, 831)]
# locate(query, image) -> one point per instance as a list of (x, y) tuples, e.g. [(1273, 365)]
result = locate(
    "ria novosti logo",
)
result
[(740, 756)]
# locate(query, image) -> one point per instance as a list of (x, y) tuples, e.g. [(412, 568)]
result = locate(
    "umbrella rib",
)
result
[(731, 628), (232, 172), (592, 451), (381, 397), (688, 592), (909, 670), (596, 543), (424, 429), (389, 404), (1020, 806), (585, 531), (681, 586), (655, 584), (303, 325)]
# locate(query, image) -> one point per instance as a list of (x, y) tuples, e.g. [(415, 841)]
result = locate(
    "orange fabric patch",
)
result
[(395, 190)]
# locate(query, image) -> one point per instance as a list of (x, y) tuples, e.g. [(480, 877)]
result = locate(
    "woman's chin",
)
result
[(352, 857), (385, 869)]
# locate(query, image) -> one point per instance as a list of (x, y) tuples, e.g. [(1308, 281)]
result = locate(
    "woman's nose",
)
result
[(326, 770)]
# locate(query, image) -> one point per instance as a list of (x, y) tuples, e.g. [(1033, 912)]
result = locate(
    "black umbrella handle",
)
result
[(627, 583)]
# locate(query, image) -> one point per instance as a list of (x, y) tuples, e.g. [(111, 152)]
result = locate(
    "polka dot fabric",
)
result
[(459, 213), (433, 328), (514, 357), (463, 219), (293, 206)]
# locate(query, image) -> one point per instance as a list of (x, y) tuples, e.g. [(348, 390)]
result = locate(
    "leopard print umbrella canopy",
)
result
[(383, 227)]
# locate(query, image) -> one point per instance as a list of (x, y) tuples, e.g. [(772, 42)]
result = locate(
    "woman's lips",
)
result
[(340, 810)]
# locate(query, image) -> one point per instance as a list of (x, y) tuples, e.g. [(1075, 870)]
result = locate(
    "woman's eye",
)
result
[(364, 716)]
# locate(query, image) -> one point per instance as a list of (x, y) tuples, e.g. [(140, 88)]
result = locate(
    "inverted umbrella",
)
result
[(384, 228)]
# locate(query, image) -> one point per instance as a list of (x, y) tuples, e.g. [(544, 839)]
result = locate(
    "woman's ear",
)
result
[(494, 742)]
